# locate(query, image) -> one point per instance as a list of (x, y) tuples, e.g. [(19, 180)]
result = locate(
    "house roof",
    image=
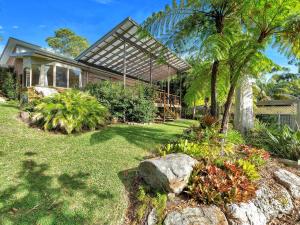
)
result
[(108, 54), (123, 44)]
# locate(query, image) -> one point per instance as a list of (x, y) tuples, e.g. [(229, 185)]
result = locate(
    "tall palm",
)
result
[(267, 22), (191, 25)]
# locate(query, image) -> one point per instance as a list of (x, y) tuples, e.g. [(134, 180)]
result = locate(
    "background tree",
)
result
[(66, 42)]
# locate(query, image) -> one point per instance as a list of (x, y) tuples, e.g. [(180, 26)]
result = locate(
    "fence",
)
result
[(285, 112)]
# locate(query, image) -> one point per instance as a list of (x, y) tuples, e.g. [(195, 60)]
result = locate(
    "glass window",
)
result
[(61, 76), (26, 77), (36, 75), (49, 76), (74, 78)]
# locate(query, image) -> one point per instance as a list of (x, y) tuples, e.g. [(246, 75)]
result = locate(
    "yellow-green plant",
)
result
[(249, 169), (70, 111)]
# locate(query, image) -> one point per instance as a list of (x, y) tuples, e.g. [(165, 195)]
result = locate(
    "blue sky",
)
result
[(34, 20)]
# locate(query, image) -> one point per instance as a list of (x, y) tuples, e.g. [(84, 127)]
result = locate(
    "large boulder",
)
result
[(270, 202), (245, 214), (290, 181), (205, 215), (169, 173)]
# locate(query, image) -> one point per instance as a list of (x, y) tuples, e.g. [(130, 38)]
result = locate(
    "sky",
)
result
[(35, 20)]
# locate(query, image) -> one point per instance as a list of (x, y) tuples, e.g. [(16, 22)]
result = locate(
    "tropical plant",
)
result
[(211, 184), (131, 104), (8, 84), (67, 42), (266, 22), (70, 111), (198, 27), (279, 140), (146, 201)]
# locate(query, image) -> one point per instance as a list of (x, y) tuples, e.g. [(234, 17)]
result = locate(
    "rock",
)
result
[(45, 91), (273, 201), (169, 173), (290, 181), (205, 215), (270, 202), (25, 116), (152, 217), (245, 214)]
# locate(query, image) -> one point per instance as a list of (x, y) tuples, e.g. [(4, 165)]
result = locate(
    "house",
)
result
[(120, 55)]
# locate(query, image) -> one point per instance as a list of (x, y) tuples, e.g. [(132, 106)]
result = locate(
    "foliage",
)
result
[(8, 84), (66, 42), (278, 87), (147, 201), (256, 156), (211, 184), (279, 140), (249, 169), (70, 111), (132, 104)]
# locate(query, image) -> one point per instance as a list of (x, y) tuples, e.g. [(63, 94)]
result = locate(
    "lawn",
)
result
[(50, 178)]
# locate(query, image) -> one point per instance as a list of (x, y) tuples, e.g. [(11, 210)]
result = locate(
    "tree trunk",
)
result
[(226, 113), (214, 74)]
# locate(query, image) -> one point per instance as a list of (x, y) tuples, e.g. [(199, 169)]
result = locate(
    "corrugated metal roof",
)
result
[(140, 53)]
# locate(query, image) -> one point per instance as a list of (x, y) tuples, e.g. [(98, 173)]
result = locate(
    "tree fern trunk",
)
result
[(226, 113), (214, 74)]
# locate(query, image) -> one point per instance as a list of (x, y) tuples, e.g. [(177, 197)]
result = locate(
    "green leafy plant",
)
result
[(249, 169), (134, 104), (147, 201), (70, 111), (211, 184), (8, 84), (279, 140)]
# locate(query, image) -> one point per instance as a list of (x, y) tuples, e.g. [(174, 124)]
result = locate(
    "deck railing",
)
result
[(164, 98)]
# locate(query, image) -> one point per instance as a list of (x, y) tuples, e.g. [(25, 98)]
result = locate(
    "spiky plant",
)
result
[(70, 111)]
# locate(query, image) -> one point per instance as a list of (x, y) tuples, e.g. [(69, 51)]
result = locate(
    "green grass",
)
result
[(48, 178)]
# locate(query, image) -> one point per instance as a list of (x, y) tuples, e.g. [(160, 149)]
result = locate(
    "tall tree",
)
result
[(275, 22), (189, 25), (66, 42)]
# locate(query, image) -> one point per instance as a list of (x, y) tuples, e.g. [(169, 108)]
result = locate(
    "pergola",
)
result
[(124, 52)]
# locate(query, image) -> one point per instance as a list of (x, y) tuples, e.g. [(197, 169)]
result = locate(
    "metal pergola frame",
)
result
[(123, 51)]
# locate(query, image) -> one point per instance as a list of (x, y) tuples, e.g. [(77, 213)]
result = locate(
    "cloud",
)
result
[(15, 27), (1, 27), (104, 2)]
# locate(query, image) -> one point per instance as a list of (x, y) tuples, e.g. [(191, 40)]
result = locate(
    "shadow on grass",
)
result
[(36, 201), (143, 137)]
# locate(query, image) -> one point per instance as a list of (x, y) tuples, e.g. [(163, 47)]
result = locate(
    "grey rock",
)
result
[(152, 217), (169, 173), (269, 203), (290, 181), (25, 116), (205, 215), (245, 214), (273, 201)]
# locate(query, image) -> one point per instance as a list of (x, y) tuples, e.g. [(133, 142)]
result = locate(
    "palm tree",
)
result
[(195, 26)]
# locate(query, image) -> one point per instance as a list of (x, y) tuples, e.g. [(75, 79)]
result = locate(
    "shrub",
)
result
[(211, 184), (69, 111), (249, 169), (132, 104), (147, 200), (279, 140), (8, 85)]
